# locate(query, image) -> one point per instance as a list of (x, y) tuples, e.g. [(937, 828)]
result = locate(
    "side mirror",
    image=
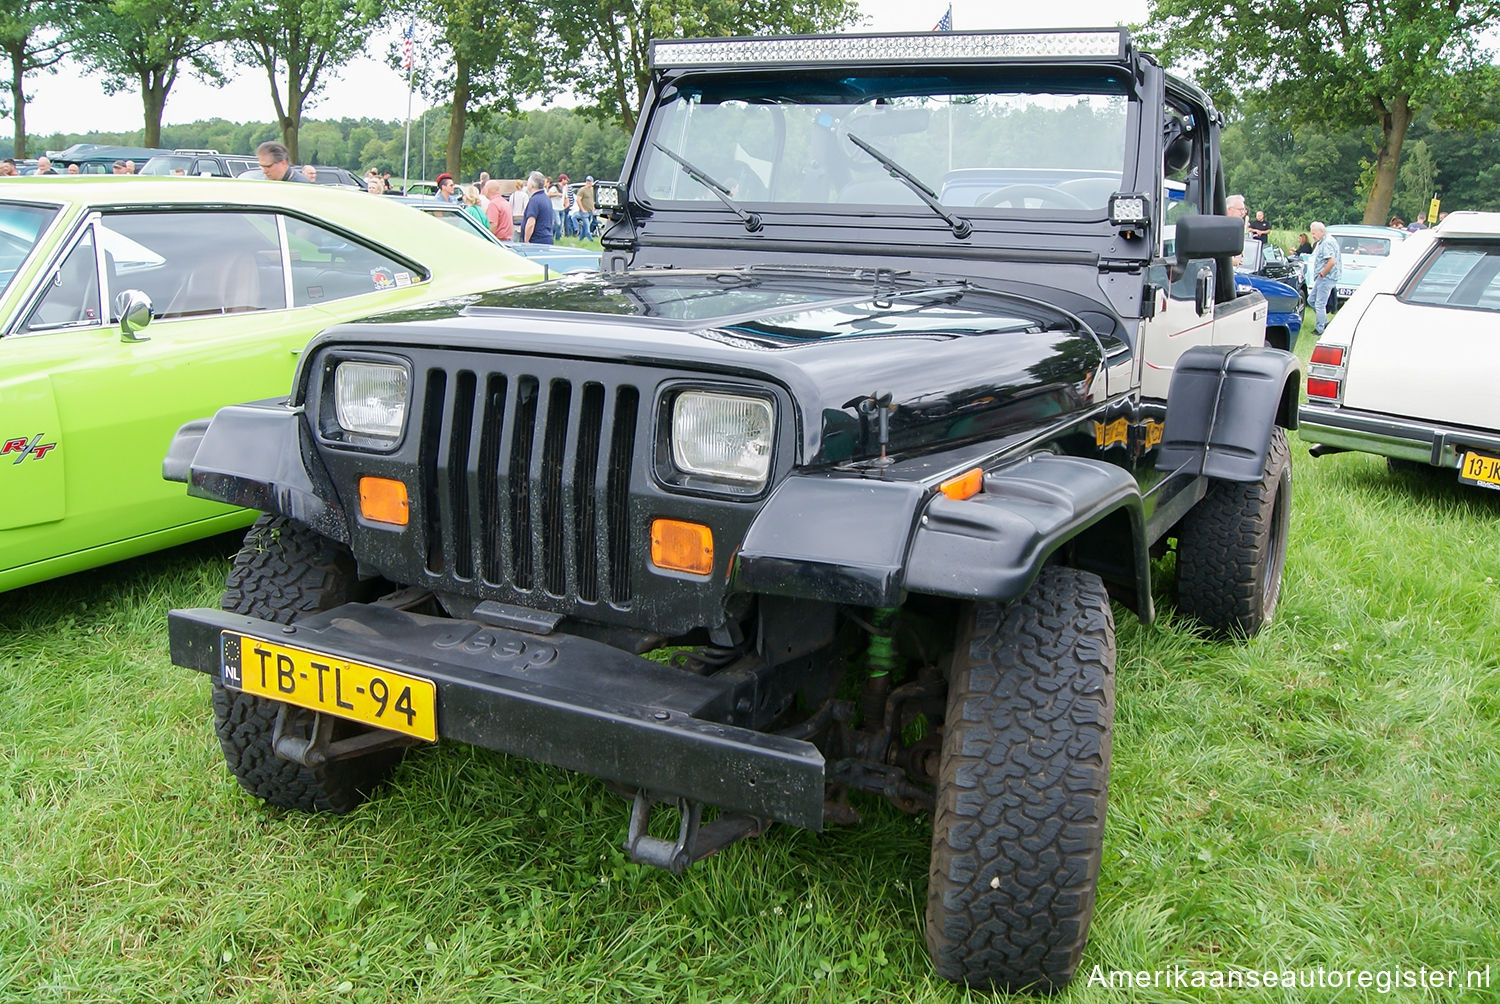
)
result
[(1209, 237), (134, 309)]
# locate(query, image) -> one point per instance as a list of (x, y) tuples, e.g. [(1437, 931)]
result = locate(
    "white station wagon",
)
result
[(1406, 370)]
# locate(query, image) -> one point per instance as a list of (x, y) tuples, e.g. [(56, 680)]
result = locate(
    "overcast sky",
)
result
[(67, 102)]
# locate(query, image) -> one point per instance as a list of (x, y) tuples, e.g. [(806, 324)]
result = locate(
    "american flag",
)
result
[(945, 23), (408, 45)]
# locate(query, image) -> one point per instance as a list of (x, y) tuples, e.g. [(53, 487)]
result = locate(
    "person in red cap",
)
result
[(566, 210), (445, 187)]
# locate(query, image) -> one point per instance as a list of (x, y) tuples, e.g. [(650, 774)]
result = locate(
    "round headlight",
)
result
[(724, 436), (370, 399)]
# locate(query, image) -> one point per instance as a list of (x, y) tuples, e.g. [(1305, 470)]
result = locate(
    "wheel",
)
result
[(285, 571), (1018, 829), (1045, 194), (1231, 548)]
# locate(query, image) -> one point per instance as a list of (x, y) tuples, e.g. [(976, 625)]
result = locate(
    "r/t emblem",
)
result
[(23, 448)]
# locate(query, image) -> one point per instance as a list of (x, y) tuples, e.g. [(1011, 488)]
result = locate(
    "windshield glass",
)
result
[(1002, 143), (167, 165), (20, 227)]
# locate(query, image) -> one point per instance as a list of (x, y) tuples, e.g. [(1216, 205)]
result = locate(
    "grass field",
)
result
[(1324, 796)]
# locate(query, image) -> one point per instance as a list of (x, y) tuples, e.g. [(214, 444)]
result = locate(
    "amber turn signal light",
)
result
[(682, 547), (965, 486), (383, 500)]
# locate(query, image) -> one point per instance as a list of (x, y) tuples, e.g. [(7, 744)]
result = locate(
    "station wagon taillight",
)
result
[(1325, 372)]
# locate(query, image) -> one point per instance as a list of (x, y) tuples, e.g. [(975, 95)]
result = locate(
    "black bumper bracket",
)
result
[(695, 841)]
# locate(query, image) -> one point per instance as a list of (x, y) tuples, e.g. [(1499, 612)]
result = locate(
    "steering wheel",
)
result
[(1013, 194)]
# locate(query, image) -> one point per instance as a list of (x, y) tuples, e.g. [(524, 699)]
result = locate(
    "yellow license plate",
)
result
[(1479, 469), (383, 698)]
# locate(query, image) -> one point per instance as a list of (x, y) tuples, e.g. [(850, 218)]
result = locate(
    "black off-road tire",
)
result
[(1018, 830), (1231, 548), (285, 571)]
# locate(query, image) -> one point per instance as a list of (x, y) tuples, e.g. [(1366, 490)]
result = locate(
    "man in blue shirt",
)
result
[(445, 187), (538, 228), (1326, 272)]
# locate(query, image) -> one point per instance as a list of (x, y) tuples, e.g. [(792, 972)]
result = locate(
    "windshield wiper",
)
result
[(961, 227), (751, 220)]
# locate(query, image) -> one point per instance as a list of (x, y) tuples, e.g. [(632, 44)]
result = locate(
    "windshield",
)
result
[(20, 227), (167, 165), (1000, 143)]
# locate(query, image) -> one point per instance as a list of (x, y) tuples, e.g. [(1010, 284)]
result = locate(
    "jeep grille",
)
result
[(526, 482)]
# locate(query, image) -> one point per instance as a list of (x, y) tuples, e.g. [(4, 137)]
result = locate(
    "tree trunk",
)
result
[(291, 122), (153, 100), (457, 115), (1395, 119), (18, 97)]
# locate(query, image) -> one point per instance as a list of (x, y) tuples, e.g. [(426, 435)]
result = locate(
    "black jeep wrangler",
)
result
[(882, 392)]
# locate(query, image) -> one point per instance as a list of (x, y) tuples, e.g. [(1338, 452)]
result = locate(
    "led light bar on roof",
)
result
[(930, 47)]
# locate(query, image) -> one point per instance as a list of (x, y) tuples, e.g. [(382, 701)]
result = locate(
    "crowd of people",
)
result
[(531, 210)]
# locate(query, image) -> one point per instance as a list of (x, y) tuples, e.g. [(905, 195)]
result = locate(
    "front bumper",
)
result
[(1389, 436), (559, 699)]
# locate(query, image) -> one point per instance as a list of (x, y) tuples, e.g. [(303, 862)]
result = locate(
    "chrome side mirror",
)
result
[(134, 310)]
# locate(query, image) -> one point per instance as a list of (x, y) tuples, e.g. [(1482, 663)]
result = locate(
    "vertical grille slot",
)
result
[(554, 449), (491, 511), (460, 430), (433, 400), (585, 507), (522, 436), (617, 510)]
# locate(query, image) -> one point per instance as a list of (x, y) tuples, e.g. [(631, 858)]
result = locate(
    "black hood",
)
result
[(958, 363)]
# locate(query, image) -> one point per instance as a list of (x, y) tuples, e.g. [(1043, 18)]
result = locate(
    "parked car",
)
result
[(93, 158), (131, 306), (1264, 268), (1406, 371), (1271, 261), (200, 164), (1361, 250), (330, 175), (874, 460), (335, 176)]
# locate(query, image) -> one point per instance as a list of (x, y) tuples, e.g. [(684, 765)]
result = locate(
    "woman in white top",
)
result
[(518, 199)]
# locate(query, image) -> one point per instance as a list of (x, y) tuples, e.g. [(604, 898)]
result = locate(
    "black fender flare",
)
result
[(993, 545), (831, 538), (258, 456), (863, 542), (1221, 407)]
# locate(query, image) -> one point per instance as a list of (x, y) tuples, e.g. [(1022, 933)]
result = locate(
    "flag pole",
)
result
[(410, 70)]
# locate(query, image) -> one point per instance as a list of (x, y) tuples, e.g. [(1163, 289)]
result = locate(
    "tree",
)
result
[(1338, 63), (480, 64), (31, 43), (143, 43), (598, 49), (310, 38)]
